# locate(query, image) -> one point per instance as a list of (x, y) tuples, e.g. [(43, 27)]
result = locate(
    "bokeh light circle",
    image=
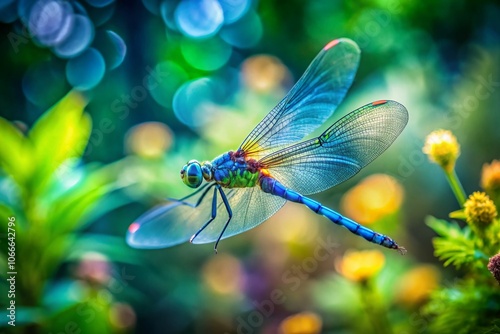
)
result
[(86, 70), (244, 33), (5, 3), (99, 3), (208, 54), (193, 102), (24, 10), (43, 93), (163, 90), (263, 73), (234, 9), (50, 21), (80, 37), (112, 48), (8, 11), (101, 15), (153, 6), (199, 18), (372, 199), (150, 139), (167, 12)]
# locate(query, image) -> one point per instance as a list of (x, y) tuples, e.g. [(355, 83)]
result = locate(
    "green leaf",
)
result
[(455, 245), (15, 153), (61, 133), (88, 316), (459, 214), (71, 209)]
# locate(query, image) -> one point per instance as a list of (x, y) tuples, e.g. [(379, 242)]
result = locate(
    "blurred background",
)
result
[(163, 82)]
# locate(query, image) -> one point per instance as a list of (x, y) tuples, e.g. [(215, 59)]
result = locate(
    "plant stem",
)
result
[(456, 187), (374, 309)]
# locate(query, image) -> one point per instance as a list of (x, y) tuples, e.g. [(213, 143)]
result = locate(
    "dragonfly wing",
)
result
[(309, 103), (174, 223), (171, 224), (250, 207), (341, 151)]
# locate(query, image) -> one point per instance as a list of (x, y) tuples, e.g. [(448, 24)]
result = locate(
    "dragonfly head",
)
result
[(191, 174)]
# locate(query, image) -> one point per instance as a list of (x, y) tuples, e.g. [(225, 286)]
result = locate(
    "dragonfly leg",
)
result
[(229, 212), (214, 213), (194, 193)]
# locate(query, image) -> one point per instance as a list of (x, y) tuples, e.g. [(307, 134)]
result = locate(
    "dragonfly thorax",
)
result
[(234, 170), (193, 173)]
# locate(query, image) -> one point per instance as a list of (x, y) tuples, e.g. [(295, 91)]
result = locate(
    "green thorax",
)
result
[(233, 171)]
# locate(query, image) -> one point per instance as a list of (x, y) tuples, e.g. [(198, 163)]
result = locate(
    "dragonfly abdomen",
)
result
[(272, 186)]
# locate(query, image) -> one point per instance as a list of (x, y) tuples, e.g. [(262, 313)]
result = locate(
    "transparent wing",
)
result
[(341, 151), (174, 223), (309, 103), (250, 207)]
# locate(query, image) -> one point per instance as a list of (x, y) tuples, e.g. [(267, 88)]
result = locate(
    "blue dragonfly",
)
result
[(274, 164)]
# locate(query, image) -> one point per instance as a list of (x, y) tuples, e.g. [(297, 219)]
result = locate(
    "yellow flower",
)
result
[(442, 148), (480, 210), (360, 266), (301, 323), (416, 285), (373, 198), (490, 177)]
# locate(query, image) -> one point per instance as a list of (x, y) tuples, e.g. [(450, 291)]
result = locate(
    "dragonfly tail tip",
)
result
[(402, 250)]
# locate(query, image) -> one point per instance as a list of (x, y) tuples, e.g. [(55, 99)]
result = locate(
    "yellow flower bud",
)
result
[(360, 266), (480, 210), (301, 323), (442, 148)]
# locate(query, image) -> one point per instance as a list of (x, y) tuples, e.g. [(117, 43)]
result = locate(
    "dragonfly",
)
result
[(240, 189)]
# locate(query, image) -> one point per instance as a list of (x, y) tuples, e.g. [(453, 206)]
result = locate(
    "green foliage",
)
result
[(60, 134), (455, 245), (53, 197), (471, 304), (15, 152), (464, 307)]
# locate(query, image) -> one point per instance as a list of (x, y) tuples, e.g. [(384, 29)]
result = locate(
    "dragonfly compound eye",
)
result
[(206, 169), (191, 174)]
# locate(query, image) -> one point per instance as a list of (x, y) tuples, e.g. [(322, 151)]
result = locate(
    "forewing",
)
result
[(341, 151), (174, 223), (309, 103)]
